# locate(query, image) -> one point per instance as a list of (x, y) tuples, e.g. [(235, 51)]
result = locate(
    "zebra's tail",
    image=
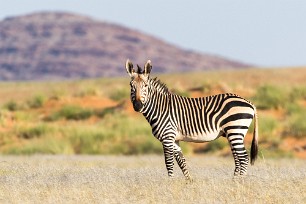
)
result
[(254, 147)]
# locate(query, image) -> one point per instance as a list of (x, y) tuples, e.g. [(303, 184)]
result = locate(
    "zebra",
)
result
[(174, 118)]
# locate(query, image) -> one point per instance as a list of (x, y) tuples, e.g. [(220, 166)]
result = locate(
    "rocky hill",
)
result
[(44, 46)]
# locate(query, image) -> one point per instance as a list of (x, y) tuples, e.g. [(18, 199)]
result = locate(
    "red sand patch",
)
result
[(297, 146)]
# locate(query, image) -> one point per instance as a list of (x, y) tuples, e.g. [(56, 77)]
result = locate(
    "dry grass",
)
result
[(142, 179)]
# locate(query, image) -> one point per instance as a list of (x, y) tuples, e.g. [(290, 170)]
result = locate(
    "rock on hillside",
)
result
[(48, 45)]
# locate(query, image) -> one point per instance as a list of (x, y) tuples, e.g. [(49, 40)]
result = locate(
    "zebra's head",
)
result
[(139, 84)]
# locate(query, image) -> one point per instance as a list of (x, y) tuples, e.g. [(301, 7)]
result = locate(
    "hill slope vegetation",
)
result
[(96, 117)]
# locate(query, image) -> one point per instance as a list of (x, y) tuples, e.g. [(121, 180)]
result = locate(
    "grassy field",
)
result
[(143, 179), (95, 116)]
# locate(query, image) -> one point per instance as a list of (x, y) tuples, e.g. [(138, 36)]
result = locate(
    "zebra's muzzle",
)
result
[(137, 105)]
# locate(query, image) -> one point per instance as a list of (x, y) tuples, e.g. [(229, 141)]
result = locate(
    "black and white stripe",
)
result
[(175, 118)]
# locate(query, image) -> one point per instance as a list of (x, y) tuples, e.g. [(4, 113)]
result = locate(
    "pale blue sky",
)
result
[(262, 32)]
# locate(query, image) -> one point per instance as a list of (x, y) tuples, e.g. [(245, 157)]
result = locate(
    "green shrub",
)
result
[(297, 124), (214, 145), (105, 111), (115, 134), (267, 125), (25, 116), (268, 130), (71, 113), (79, 113), (89, 91), (270, 97), (298, 93), (12, 106), (32, 132), (297, 127), (119, 95), (38, 146), (293, 108), (184, 93), (150, 146), (36, 102), (142, 144), (88, 141), (207, 87)]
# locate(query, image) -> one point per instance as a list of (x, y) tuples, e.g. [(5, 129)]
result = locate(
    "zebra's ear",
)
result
[(129, 67), (147, 68)]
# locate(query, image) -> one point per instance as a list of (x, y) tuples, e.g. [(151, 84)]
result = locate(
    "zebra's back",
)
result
[(204, 119)]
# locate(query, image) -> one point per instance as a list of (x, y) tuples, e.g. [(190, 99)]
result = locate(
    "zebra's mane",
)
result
[(157, 84)]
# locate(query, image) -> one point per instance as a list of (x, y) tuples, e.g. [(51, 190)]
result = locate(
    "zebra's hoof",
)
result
[(171, 176), (189, 179), (239, 178)]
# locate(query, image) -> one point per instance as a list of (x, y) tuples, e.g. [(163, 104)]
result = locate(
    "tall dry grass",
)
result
[(143, 179)]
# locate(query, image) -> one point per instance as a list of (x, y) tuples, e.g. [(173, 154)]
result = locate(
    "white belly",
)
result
[(197, 137)]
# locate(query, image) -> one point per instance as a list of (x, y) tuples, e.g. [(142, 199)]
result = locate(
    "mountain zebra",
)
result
[(175, 118)]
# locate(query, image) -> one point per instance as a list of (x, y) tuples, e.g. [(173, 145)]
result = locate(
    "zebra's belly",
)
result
[(197, 137)]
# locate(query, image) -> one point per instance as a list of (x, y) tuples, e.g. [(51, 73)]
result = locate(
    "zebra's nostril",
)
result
[(137, 105)]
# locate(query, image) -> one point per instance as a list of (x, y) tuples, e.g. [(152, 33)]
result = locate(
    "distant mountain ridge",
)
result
[(56, 45)]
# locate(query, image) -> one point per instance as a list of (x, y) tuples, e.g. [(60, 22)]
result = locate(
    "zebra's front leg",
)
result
[(180, 159), (169, 157)]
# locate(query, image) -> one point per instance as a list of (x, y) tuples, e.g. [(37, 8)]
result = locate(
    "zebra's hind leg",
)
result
[(239, 152), (244, 161), (237, 163), (180, 159)]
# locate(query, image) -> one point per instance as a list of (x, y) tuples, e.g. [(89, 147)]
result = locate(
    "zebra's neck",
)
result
[(158, 103), (158, 86)]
